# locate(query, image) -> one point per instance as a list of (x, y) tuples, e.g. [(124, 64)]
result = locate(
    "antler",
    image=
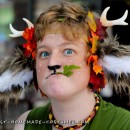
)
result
[(16, 33), (107, 23)]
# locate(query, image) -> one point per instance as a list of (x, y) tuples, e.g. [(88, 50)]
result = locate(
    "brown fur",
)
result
[(112, 47), (15, 62), (5, 97), (120, 82)]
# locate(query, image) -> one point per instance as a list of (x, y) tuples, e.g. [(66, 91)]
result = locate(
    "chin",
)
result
[(57, 92)]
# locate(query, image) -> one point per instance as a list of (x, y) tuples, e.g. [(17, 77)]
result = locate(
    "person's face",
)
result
[(54, 49)]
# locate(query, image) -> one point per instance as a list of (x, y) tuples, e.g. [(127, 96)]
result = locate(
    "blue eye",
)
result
[(45, 54), (68, 52)]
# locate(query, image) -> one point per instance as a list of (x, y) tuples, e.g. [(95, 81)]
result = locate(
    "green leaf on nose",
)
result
[(68, 70)]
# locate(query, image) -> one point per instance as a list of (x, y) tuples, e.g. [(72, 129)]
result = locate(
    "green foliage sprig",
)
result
[(68, 70)]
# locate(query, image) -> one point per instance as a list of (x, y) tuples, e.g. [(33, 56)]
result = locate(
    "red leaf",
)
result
[(97, 81)]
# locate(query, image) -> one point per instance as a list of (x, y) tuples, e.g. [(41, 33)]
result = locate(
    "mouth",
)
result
[(52, 74)]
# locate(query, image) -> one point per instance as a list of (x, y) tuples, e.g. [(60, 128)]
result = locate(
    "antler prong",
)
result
[(107, 23), (16, 33), (30, 25)]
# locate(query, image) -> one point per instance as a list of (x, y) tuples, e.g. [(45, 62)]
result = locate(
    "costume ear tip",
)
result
[(107, 91), (16, 93), (12, 84), (119, 82)]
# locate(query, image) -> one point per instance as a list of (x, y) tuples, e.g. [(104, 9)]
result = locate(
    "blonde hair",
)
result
[(69, 19)]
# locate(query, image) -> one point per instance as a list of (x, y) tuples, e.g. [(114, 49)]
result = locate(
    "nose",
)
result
[(54, 67), (55, 61)]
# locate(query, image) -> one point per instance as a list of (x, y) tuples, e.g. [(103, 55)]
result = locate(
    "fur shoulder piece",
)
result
[(115, 60), (16, 72)]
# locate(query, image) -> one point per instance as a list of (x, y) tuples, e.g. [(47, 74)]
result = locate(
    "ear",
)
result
[(16, 74), (88, 52), (115, 60), (35, 79), (36, 83)]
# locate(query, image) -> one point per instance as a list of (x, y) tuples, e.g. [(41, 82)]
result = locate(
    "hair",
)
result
[(69, 19)]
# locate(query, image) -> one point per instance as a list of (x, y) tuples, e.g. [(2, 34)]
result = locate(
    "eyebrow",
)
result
[(42, 46), (64, 44)]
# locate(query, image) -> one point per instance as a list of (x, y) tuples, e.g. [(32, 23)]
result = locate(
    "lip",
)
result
[(54, 75)]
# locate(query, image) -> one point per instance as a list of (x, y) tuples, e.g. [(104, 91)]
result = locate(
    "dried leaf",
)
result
[(91, 22)]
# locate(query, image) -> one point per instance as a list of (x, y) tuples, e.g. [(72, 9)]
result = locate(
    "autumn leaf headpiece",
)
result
[(97, 35)]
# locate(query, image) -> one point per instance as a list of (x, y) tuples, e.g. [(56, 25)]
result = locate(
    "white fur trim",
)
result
[(116, 64), (107, 91), (7, 79)]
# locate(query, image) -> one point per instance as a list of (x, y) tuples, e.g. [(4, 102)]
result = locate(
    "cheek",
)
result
[(41, 73), (70, 61), (84, 69), (83, 74), (40, 69)]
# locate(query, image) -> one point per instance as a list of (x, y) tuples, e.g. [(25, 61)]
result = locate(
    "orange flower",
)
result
[(94, 60), (30, 46), (28, 34), (33, 54), (97, 68), (29, 49)]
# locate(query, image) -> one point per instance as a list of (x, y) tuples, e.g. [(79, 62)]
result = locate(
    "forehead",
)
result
[(59, 40)]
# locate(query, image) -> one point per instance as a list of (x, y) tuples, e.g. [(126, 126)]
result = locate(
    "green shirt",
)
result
[(108, 117)]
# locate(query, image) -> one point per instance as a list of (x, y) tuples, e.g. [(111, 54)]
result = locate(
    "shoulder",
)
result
[(121, 120), (34, 114), (111, 117), (37, 113), (23, 117)]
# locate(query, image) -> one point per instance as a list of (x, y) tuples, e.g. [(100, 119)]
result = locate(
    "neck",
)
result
[(76, 108)]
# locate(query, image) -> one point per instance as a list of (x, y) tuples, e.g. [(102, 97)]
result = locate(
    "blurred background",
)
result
[(12, 11)]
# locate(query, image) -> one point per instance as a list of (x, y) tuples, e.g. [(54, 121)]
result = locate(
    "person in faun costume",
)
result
[(69, 57)]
